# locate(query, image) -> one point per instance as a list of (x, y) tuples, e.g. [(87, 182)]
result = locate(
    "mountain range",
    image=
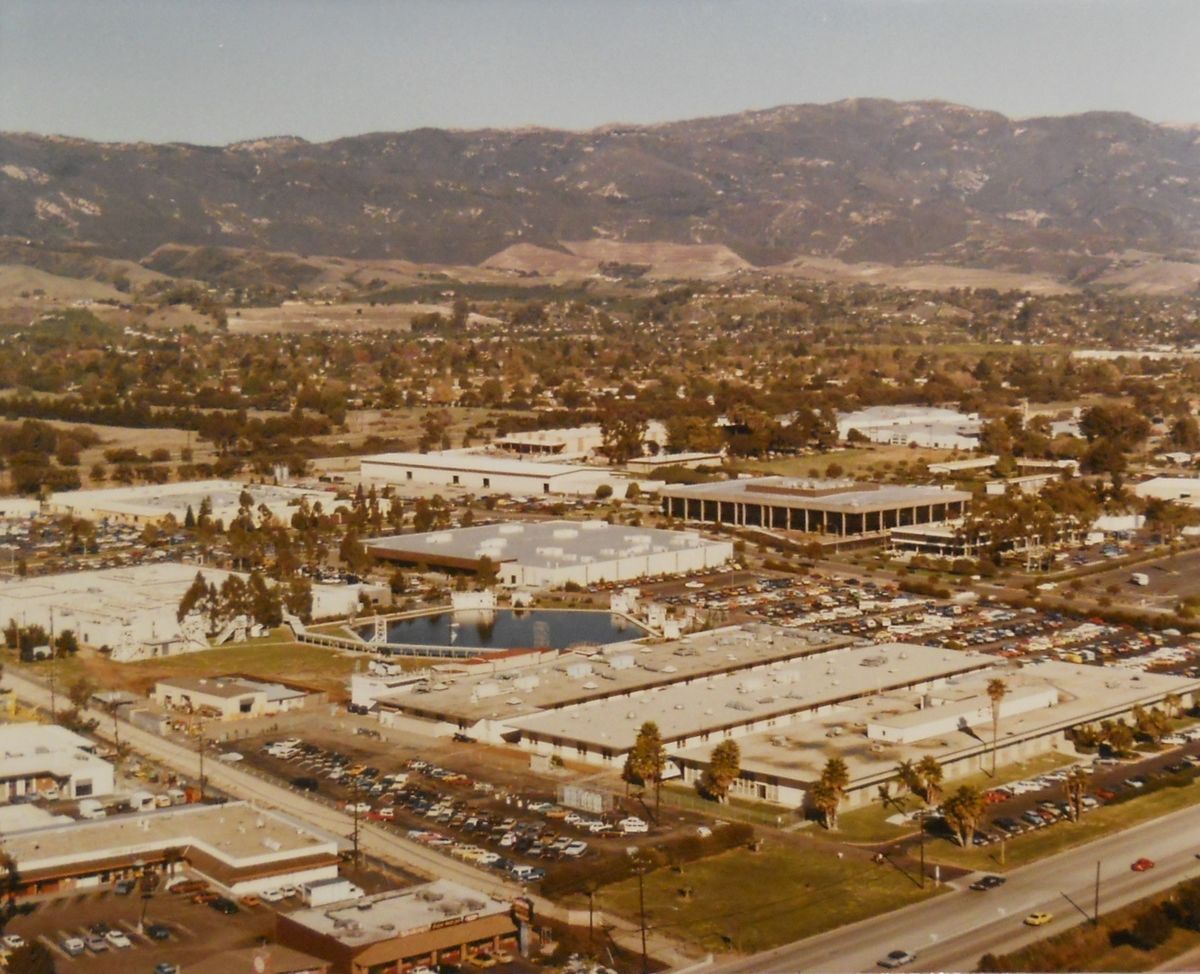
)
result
[(864, 180)]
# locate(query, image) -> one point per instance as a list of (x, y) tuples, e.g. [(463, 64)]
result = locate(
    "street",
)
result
[(953, 931)]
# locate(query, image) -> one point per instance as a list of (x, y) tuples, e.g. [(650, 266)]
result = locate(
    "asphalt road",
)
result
[(951, 932)]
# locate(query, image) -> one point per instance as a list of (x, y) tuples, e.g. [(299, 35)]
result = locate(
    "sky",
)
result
[(217, 71)]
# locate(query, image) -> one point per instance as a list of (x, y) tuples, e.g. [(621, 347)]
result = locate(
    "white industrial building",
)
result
[(132, 610), (934, 427), (49, 760), (232, 697), (1183, 490), (238, 847), (481, 472), (550, 554), (575, 442), (151, 503)]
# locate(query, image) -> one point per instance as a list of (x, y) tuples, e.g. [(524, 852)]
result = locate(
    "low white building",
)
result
[(573, 441), (132, 610), (232, 697), (46, 759), (238, 847), (1183, 490), (150, 503), (553, 553), (482, 472), (927, 426)]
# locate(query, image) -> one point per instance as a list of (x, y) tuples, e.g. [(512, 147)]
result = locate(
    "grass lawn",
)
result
[(855, 462), (760, 900), (1066, 835), (273, 656), (1088, 948)]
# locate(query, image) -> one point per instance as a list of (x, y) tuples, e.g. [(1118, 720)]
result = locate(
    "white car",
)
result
[(118, 938), (576, 849), (362, 808), (633, 824), (271, 896), (14, 941)]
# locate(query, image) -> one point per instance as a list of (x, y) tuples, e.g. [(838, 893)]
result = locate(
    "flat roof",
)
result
[(544, 544), (828, 495), (230, 687), (734, 699), (236, 833), (114, 592), (30, 737), (1086, 693), (175, 498), (573, 677), (399, 913), (471, 462)]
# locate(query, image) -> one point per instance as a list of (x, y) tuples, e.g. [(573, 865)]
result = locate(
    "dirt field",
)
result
[(864, 463)]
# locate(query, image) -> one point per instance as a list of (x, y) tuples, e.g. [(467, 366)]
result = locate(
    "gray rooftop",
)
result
[(829, 495)]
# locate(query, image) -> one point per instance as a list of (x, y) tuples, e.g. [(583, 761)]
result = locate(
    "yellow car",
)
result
[(1039, 919)]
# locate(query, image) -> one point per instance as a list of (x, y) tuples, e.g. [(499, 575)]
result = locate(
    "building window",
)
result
[(487, 481), (408, 475), (546, 488), (83, 788), (455, 480)]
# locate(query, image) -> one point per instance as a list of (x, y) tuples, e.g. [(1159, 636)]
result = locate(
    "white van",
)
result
[(89, 808)]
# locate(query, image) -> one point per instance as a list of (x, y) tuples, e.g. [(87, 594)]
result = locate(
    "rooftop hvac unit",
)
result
[(564, 534), (273, 844), (593, 525), (511, 528), (441, 537)]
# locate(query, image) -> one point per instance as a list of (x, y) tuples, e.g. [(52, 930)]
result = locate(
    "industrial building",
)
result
[(51, 761), (937, 539), (1182, 490), (648, 465), (575, 442), (237, 847), (550, 554), (482, 472), (441, 922), (933, 427), (132, 610), (843, 508), (151, 503), (951, 722), (233, 697), (487, 705)]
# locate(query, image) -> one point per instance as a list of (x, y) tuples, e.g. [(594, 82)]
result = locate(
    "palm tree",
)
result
[(827, 793), (907, 775), (962, 811), (1074, 784), (1172, 701), (931, 776), (996, 690)]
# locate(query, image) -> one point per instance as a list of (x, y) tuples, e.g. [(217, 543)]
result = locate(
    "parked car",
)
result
[(224, 905), (118, 938), (73, 946), (158, 931)]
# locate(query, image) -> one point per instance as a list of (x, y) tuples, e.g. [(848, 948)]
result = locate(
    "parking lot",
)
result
[(191, 931)]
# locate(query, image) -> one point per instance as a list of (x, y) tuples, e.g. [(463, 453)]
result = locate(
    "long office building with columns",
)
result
[(843, 508)]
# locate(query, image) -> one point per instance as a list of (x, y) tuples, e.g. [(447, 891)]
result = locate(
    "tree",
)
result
[(1117, 735), (487, 572), (194, 598), (1151, 929), (648, 758), (908, 776), (1075, 785), (33, 958), (724, 766), (298, 599), (829, 790), (932, 776), (962, 811), (264, 601), (996, 690), (622, 432), (80, 692)]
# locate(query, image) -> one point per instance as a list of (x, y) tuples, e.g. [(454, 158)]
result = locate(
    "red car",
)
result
[(1141, 865)]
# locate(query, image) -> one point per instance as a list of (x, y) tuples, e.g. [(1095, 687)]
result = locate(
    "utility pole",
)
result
[(641, 875), (200, 746), (355, 836), (1096, 908), (921, 821)]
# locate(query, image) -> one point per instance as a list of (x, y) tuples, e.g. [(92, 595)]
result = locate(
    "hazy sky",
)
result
[(215, 71)]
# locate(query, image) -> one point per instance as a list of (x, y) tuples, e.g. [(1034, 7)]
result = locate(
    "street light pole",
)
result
[(921, 826), (641, 875)]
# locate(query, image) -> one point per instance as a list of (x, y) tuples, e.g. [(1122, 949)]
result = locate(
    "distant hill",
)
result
[(923, 183)]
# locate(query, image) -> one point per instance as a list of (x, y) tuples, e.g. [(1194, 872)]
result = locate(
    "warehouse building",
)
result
[(441, 922), (575, 442), (933, 427), (843, 508), (1182, 490), (50, 761), (950, 722), (132, 610), (233, 697), (550, 554), (485, 473), (151, 503), (238, 847)]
